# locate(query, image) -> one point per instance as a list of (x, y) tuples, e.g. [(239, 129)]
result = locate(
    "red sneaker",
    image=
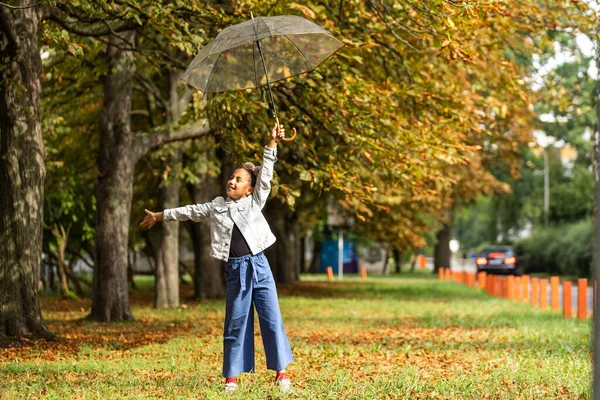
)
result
[(230, 385), (283, 382)]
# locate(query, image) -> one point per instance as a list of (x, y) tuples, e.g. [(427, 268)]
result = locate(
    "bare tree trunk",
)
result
[(209, 272), (22, 173), (441, 255), (167, 256), (315, 263), (397, 262), (110, 299), (284, 255), (63, 237), (596, 262)]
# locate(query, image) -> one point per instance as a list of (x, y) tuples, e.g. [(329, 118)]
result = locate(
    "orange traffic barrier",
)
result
[(518, 291), (330, 273), (498, 286), (510, 282), (441, 273), (525, 287), (554, 301), (581, 298), (363, 272), (567, 300), (503, 287), (447, 274), (481, 279), (422, 261), (543, 294), (534, 291)]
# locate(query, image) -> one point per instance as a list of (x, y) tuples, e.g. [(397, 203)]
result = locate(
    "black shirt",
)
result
[(238, 246)]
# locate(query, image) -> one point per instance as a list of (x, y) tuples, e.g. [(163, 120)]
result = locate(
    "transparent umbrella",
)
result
[(258, 52)]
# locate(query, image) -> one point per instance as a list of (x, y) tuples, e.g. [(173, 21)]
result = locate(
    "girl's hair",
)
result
[(253, 170)]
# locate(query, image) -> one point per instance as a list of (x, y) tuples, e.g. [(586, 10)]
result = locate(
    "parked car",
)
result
[(498, 260)]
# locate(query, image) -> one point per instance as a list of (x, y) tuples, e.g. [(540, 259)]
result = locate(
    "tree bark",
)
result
[(209, 272), (441, 255), (63, 237), (315, 263), (110, 298), (397, 262), (22, 173), (596, 258), (284, 255), (167, 255)]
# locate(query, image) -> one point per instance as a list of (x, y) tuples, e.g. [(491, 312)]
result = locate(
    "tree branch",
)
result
[(145, 142), (102, 28), (22, 7)]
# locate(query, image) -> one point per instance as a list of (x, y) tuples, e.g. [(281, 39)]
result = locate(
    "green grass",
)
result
[(405, 337)]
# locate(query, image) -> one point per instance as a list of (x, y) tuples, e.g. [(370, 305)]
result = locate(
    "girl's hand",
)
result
[(151, 218), (277, 133)]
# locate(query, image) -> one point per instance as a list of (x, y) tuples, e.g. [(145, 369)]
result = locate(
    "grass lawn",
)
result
[(404, 337)]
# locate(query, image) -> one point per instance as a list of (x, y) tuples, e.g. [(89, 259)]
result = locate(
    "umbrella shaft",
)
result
[(262, 57)]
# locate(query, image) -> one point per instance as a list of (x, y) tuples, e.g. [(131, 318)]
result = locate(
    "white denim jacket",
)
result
[(245, 213)]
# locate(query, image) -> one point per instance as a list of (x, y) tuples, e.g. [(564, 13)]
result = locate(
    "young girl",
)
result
[(239, 234)]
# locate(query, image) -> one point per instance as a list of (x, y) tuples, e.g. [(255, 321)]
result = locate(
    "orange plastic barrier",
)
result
[(525, 287), (554, 301), (534, 291), (582, 298), (481, 280), (567, 300), (330, 273), (363, 272), (422, 261), (510, 281), (518, 289), (447, 274), (543, 294), (441, 273)]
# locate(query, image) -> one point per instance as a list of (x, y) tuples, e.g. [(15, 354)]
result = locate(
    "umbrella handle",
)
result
[(285, 139)]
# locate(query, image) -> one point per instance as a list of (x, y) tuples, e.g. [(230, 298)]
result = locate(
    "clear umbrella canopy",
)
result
[(290, 46)]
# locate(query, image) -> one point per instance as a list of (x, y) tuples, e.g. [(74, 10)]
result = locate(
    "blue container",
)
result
[(329, 256)]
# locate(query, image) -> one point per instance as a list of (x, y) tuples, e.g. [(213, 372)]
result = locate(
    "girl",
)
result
[(239, 234)]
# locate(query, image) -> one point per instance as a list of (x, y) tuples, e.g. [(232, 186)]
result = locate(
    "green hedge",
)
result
[(564, 250)]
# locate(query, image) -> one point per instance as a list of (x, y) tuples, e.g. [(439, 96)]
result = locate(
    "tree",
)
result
[(22, 173)]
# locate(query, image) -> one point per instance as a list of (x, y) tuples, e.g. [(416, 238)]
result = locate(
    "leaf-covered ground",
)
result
[(405, 337)]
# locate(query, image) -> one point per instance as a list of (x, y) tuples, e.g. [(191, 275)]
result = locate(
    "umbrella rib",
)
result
[(299, 51), (254, 66), (214, 66)]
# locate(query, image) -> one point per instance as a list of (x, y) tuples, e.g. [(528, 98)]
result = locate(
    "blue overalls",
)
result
[(250, 283)]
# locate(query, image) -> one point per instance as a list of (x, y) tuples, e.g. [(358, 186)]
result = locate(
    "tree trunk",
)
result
[(22, 173), (110, 298), (284, 255), (209, 272), (441, 255), (63, 237), (315, 263), (397, 260), (596, 253), (167, 256)]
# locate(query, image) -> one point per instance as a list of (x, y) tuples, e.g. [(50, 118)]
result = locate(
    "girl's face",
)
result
[(239, 184)]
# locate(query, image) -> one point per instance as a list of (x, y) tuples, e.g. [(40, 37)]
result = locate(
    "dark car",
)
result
[(498, 260)]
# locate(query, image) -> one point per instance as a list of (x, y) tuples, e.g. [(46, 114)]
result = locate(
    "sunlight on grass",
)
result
[(406, 336)]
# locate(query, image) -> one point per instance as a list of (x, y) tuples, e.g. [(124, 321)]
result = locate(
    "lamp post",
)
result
[(454, 246), (546, 189)]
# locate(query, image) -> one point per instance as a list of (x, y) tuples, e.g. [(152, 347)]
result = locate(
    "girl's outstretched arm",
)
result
[(195, 212), (151, 218)]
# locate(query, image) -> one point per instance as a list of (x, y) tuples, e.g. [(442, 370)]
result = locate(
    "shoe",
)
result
[(230, 385), (283, 382)]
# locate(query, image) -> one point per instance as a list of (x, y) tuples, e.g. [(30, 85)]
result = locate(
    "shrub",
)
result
[(565, 249)]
